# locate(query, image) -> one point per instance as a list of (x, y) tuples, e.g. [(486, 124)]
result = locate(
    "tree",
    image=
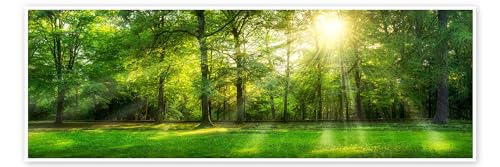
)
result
[(201, 36), (237, 27), (442, 109), (65, 30)]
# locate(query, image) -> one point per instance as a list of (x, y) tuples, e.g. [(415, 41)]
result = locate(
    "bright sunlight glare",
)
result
[(329, 26)]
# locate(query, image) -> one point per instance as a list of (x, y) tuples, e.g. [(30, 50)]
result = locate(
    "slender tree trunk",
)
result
[(318, 90), (303, 109), (341, 106), (147, 108), (402, 113), (224, 111), (327, 113), (343, 88), (161, 100), (346, 107), (285, 101), (429, 103), (77, 105), (224, 115), (287, 78), (287, 74), (210, 107), (139, 110), (336, 114), (166, 110), (61, 87), (273, 110), (205, 119), (218, 113), (315, 115), (94, 99), (442, 107), (161, 94), (393, 110), (358, 105), (240, 110)]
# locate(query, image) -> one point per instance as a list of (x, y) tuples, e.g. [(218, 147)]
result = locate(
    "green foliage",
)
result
[(120, 57)]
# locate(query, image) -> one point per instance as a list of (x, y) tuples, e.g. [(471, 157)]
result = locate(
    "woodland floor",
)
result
[(260, 140)]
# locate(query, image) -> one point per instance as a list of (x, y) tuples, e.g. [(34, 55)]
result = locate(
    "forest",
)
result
[(235, 68)]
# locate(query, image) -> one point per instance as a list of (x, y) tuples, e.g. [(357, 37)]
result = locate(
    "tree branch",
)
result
[(225, 25), (178, 31)]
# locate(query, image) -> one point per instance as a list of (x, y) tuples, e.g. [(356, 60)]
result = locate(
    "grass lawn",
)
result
[(262, 140)]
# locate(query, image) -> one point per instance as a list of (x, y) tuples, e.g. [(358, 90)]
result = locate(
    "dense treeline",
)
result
[(249, 65)]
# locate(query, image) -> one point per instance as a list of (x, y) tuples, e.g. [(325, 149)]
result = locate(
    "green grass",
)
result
[(262, 140)]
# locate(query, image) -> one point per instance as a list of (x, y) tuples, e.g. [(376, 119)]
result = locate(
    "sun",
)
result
[(330, 26)]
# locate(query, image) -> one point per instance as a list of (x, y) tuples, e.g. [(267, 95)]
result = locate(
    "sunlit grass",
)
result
[(437, 142), (254, 142), (203, 131), (253, 145), (326, 138), (160, 136), (354, 149), (63, 143), (265, 140)]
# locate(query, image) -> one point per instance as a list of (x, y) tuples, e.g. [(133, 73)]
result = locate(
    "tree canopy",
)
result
[(247, 65)]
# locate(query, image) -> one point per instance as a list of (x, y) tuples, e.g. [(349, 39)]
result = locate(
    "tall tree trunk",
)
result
[(224, 111), (402, 110), (210, 107), (161, 100), (357, 79), (77, 105), (287, 72), (429, 103), (205, 119), (393, 110), (240, 106), (240, 109), (161, 94), (166, 110), (219, 110), (341, 105), (318, 90), (303, 109), (442, 107), (287, 78), (61, 91), (336, 113), (369, 110), (94, 99), (61, 87), (147, 107), (285, 100), (343, 88), (273, 110)]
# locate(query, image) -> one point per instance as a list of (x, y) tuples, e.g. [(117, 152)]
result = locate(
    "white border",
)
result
[(255, 7), (249, 7)]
